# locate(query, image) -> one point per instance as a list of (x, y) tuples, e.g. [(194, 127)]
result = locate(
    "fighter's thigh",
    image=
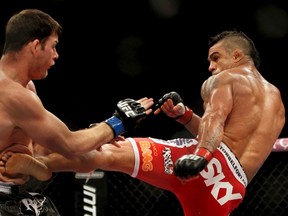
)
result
[(118, 158)]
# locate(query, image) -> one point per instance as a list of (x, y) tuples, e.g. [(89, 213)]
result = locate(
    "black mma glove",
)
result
[(176, 98), (191, 165), (127, 116)]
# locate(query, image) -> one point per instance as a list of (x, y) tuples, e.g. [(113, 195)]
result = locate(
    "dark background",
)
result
[(118, 49), (134, 48)]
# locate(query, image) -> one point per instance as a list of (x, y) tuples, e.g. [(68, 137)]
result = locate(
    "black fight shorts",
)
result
[(24, 203)]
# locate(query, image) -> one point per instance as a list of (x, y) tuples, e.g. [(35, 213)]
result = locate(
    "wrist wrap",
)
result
[(186, 117), (203, 152), (116, 124)]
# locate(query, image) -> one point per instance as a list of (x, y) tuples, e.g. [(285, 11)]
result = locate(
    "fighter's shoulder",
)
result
[(12, 93), (223, 78)]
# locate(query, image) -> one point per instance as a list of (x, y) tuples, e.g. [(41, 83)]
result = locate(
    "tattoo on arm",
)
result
[(208, 86), (214, 139)]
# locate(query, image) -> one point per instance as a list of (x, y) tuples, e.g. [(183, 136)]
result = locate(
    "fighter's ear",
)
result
[(237, 55), (35, 45)]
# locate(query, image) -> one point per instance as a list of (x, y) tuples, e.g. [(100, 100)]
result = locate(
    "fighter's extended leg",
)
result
[(18, 163)]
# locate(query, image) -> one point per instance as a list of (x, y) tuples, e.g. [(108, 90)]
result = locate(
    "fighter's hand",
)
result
[(116, 140), (147, 103), (172, 105), (128, 115), (189, 166)]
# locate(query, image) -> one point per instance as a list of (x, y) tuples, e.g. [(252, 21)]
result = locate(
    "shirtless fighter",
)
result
[(29, 51)]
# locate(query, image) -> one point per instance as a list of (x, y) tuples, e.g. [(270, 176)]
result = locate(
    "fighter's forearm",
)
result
[(193, 125)]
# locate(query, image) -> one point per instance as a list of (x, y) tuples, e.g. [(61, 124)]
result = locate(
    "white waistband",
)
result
[(6, 187), (233, 163)]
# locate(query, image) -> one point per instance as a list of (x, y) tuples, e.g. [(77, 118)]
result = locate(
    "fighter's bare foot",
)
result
[(19, 163), (5, 156)]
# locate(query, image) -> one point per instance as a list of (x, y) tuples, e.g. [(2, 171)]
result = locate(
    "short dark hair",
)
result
[(239, 37), (28, 25)]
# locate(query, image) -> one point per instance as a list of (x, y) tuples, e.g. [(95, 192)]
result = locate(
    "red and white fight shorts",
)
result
[(218, 190)]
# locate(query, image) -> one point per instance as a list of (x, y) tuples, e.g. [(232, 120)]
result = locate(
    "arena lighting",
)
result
[(165, 9), (272, 21)]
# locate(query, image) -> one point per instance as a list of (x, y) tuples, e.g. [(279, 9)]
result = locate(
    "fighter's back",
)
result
[(256, 120)]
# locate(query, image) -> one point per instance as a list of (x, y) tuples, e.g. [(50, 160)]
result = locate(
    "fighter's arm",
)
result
[(26, 111), (218, 102)]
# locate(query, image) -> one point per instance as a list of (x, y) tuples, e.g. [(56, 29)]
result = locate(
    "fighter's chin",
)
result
[(215, 72), (45, 74)]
